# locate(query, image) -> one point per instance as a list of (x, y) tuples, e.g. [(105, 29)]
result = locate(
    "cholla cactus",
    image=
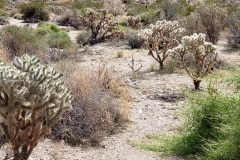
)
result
[(134, 22), (203, 56), (101, 25), (32, 99), (161, 37)]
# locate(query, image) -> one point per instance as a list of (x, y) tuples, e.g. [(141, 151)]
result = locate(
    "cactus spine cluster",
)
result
[(32, 99), (203, 55), (161, 37)]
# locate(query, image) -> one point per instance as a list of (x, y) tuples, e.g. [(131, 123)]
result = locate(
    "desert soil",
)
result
[(150, 113)]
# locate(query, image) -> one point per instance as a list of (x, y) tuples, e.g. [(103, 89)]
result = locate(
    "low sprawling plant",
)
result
[(210, 131), (32, 100)]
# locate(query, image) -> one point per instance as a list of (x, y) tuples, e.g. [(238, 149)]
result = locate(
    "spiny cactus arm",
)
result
[(27, 90), (210, 58)]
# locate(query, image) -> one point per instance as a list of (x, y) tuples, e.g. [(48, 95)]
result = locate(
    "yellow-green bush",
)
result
[(56, 38)]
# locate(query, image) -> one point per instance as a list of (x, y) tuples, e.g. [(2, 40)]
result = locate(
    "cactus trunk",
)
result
[(32, 98), (161, 66), (196, 84)]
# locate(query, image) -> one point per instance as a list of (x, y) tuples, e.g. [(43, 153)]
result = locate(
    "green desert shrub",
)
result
[(21, 40), (34, 11), (2, 3), (59, 40), (47, 28), (211, 129), (4, 13), (56, 38)]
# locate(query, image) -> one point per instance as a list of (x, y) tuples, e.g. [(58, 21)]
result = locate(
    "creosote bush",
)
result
[(161, 37), (34, 11), (203, 54), (32, 100), (100, 107)]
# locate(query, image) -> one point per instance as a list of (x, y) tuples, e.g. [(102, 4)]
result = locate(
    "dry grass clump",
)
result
[(100, 107)]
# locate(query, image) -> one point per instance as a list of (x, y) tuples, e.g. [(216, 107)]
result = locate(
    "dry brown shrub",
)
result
[(100, 107)]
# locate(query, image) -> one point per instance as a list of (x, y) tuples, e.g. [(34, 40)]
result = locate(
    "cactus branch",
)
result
[(161, 37), (203, 56), (28, 90)]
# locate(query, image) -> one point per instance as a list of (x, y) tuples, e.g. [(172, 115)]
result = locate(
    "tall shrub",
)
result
[(207, 19)]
